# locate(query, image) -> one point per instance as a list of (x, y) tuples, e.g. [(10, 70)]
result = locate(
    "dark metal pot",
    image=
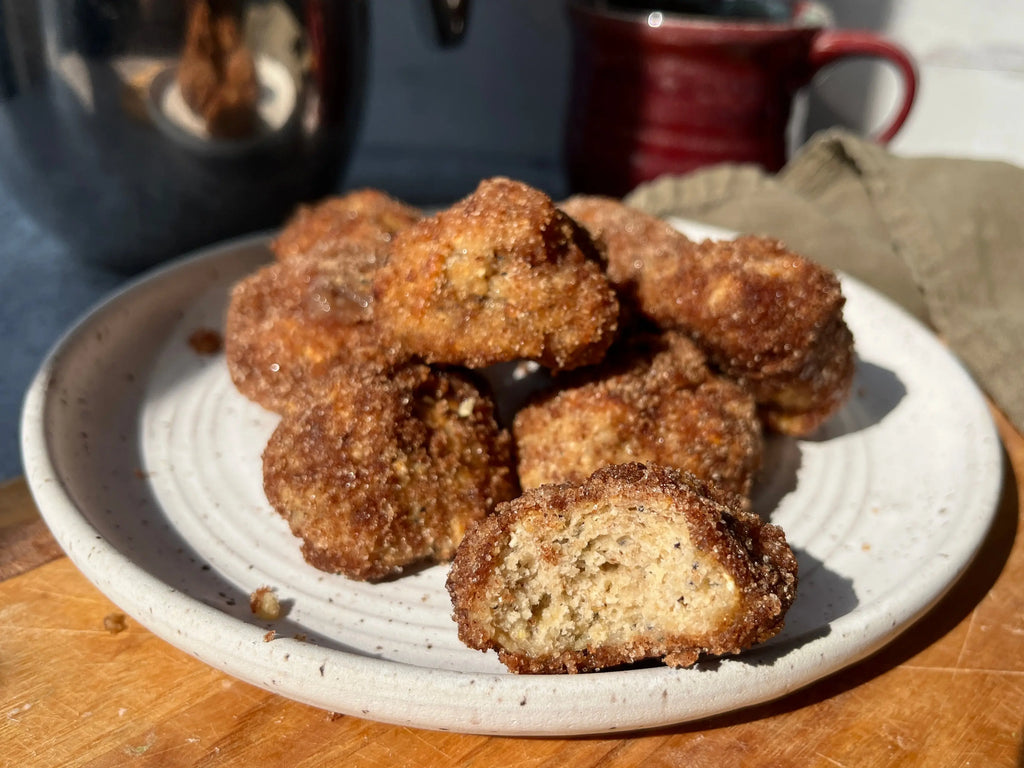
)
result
[(136, 130)]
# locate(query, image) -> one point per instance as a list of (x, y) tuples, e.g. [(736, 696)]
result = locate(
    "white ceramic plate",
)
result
[(145, 463)]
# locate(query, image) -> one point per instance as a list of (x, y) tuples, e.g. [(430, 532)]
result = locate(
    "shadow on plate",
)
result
[(777, 476), (822, 597), (876, 393)]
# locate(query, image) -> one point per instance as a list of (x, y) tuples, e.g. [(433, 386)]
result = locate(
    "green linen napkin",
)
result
[(943, 237)]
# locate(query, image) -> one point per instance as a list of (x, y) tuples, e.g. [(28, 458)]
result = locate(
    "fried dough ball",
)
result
[(290, 324), (766, 317), (659, 403), (630, 240), (362, 221), (502, 275), (634, 563), (385, 473)]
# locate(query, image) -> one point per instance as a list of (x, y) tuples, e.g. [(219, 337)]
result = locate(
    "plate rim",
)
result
[(105, 566)]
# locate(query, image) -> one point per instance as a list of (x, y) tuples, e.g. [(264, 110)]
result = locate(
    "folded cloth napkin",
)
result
[(943, 237)]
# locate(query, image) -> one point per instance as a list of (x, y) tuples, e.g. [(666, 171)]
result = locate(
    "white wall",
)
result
[(970, 55)]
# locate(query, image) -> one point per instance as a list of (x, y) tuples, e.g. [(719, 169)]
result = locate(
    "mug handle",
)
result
[(831, 45)]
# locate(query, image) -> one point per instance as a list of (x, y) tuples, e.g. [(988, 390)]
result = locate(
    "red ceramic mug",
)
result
[(654, 92)]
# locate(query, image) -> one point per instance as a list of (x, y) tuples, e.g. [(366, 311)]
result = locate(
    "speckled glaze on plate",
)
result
[(145, 463)]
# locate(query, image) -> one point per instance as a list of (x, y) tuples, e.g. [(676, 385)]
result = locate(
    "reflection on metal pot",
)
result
[(138, 129)]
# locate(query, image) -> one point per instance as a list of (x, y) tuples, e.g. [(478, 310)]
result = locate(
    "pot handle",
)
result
[(831, 45), (450, 19)]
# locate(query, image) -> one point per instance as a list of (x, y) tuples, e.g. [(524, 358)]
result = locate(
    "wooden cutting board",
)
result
[(79, 688)]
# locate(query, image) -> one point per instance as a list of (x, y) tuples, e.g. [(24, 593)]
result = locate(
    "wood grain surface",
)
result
[(79, 688)]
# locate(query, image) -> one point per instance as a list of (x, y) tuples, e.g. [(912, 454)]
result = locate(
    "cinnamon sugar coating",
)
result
[(290, 324), (502, 275), (637, 562), (384, 473), (656, 401), (363, 221), (766, 317)]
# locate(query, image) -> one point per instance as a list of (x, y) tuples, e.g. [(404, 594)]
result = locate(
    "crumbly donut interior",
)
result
[(606, 579)]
